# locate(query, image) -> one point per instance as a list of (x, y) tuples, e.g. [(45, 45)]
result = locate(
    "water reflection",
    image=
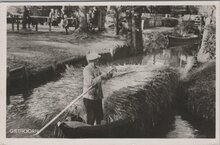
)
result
[(182, 129), (178, 56), (183, 125), (179, 125)]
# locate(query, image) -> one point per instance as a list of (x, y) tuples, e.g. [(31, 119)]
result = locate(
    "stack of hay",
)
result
[(135, 91)]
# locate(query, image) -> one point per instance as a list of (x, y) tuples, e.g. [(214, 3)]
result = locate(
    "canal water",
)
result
[(184, 125), (180, 124)]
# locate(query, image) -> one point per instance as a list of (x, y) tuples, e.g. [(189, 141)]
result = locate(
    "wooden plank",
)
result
[(16, 69), (40, 17), (16, 18)]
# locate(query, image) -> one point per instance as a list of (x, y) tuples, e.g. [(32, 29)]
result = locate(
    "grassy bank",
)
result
[(38, 50)]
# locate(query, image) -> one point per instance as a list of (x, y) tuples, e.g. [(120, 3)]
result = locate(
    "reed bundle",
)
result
[(145, 102), (48, 100), (200, 92), (132, 91)]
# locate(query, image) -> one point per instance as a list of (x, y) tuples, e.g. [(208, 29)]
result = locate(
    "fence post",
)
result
[(8, 87), (12, 23), (26, 82), (17, 23), (50, 23), (36, 24)]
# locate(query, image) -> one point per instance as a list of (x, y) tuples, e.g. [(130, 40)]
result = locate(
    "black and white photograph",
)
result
[(111, 70)]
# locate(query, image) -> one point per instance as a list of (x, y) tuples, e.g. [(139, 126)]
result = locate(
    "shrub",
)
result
[(154, 41), (186, 27), (211, 41), (201, 92), (169, 22)]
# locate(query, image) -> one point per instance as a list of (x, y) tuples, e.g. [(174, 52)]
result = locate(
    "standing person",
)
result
[(56, 17), (62, 13), (51, 17), (93, 99), (26, 18), (65, 24), (29, 18)]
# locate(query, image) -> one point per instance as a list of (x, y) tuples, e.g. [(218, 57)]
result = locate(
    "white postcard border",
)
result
[(37, 141)]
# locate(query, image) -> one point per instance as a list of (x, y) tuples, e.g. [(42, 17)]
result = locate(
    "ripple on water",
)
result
[(182, 129)]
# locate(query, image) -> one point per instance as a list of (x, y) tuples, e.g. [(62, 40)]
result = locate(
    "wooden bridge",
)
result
[(35, 20)]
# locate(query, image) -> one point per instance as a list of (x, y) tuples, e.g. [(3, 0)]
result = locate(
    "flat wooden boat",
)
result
[(172, 40), (75, 129)]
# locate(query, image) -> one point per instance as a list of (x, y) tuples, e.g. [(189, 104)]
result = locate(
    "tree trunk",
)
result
[(203, 55), (139, 38), (136, 34), (129, 35), (133, 35), (83, 18), (24, 20), (116, 21), (101, 23)]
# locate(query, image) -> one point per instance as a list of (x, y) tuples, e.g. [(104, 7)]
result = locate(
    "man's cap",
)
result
[(92, 56)]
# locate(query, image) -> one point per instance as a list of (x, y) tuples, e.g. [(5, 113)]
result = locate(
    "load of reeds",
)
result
[(200, 92), (145, 100), (133, 91)]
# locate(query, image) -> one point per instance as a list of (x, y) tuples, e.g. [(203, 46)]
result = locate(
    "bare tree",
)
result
[(136, 30)]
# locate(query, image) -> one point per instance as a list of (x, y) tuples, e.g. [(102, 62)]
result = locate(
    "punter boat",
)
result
[(75, 129), (173, 41)]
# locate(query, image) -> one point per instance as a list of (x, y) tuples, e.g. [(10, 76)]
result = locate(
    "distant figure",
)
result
[(26, 18), (76, 14), (92, 76), (62, 13), (72, 21), (29, 20), (56, 17), (65, 24), (51, 17)]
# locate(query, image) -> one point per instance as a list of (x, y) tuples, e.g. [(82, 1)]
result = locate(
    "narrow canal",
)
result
[(184, 125), (180, 124)]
